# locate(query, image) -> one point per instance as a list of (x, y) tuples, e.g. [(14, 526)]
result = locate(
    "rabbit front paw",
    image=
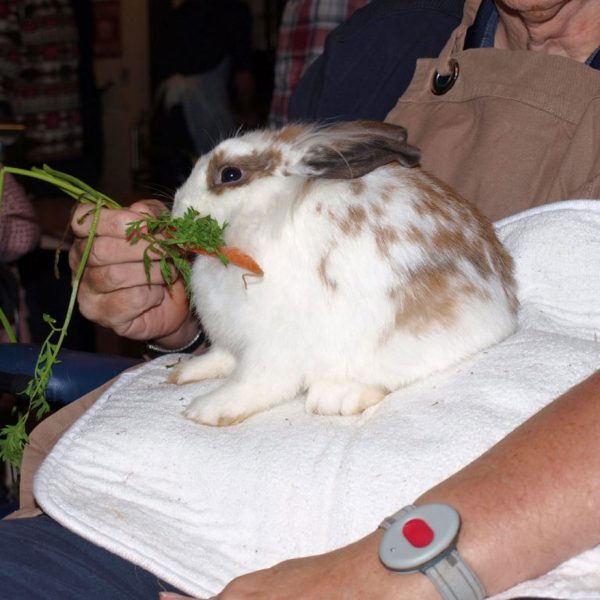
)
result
[(341, 397), (216, 412), (231, 403), (217, 363)]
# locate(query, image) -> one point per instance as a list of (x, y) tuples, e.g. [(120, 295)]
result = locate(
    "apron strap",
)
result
[(457, 40)]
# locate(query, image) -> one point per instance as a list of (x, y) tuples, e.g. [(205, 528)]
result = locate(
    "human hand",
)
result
[(115, 291)]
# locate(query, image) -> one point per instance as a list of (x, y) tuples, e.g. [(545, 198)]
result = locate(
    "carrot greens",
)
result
[(171, 237)]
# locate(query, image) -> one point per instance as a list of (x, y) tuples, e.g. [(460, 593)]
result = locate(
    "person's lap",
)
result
[(40, 559)]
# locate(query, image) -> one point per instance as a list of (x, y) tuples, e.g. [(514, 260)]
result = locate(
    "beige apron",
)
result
[(515, 129)]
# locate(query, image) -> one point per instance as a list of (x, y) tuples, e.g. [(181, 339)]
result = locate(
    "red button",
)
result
[(418, 533)]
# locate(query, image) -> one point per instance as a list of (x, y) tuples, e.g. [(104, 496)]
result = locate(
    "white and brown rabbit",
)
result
[(375, 273)]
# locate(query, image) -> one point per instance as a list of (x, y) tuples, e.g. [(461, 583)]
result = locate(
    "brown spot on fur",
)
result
[(387, 194), (437, 199), (455, 243), (253, 166), (352, 224), (427, 298), (319, 208), (416, 236), (385, 237), (357, 186), (377, 210)]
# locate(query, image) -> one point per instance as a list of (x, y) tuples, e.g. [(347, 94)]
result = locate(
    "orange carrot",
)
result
[(235, 256)]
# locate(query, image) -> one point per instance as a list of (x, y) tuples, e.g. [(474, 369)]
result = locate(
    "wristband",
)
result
[(423, 539), (196, 342)]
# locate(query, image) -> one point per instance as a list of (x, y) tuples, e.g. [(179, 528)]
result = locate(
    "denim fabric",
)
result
[(41, 560)]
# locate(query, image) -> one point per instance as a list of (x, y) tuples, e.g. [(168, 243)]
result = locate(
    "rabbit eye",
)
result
[(231, 174)]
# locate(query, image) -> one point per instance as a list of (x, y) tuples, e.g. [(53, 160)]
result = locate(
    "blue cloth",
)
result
[(40, 560)]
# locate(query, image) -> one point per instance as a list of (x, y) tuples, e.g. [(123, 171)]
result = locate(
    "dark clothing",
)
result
[(370, 59), (42, 560), (198, 35)]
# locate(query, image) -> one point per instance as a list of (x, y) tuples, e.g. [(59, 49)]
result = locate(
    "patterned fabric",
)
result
[(39, 58), (304, 26), (19, 231)]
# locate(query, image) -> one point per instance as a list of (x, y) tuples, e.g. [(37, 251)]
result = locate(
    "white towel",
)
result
[(199, 505)]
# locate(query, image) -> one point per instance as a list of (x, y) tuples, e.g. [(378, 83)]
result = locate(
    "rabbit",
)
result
[(376, 274)]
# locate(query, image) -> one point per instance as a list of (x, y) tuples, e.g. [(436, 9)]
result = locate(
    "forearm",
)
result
[(531, 502)]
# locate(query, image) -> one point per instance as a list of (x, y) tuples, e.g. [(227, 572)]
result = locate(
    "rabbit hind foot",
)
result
[(333, 397)]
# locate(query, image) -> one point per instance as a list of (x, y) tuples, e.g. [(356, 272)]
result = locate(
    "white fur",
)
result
[(294, 330)]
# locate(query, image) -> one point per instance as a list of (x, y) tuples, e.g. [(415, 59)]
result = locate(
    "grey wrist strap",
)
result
[(198, 339), (454, 580), (451, 576)]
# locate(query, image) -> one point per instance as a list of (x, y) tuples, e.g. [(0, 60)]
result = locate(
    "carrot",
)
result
[(235, 256)]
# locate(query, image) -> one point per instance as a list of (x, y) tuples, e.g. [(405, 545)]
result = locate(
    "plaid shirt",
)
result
[(304, 26)]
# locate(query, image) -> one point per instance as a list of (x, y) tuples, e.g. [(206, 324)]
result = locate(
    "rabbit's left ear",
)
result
[(353, 149)]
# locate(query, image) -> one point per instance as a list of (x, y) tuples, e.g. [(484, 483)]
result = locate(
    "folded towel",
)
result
[(199, 505), (557, 267)]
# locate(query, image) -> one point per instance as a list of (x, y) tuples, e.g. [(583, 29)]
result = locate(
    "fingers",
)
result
[(112, 222), (102, 279), (152, 206), (109, 250)]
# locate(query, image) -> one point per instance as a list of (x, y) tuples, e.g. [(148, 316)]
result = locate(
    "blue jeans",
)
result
[(41, 560)]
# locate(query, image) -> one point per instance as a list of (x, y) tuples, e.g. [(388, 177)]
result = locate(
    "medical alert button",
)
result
[(418, 533)]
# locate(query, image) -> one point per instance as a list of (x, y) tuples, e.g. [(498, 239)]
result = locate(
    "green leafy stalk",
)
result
[(67, 183), (36, 389), (14, 437), (168, 239)]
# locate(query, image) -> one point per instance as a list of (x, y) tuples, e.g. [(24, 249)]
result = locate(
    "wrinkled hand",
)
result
[(349, 573), (115, 291)]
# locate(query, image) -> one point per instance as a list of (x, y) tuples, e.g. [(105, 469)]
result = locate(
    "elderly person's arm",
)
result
[(528, 504)]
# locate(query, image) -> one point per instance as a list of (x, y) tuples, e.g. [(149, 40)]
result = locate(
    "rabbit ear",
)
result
[(353, 149)]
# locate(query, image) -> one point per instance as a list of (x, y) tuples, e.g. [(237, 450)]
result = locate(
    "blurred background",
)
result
[(124, 94)]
